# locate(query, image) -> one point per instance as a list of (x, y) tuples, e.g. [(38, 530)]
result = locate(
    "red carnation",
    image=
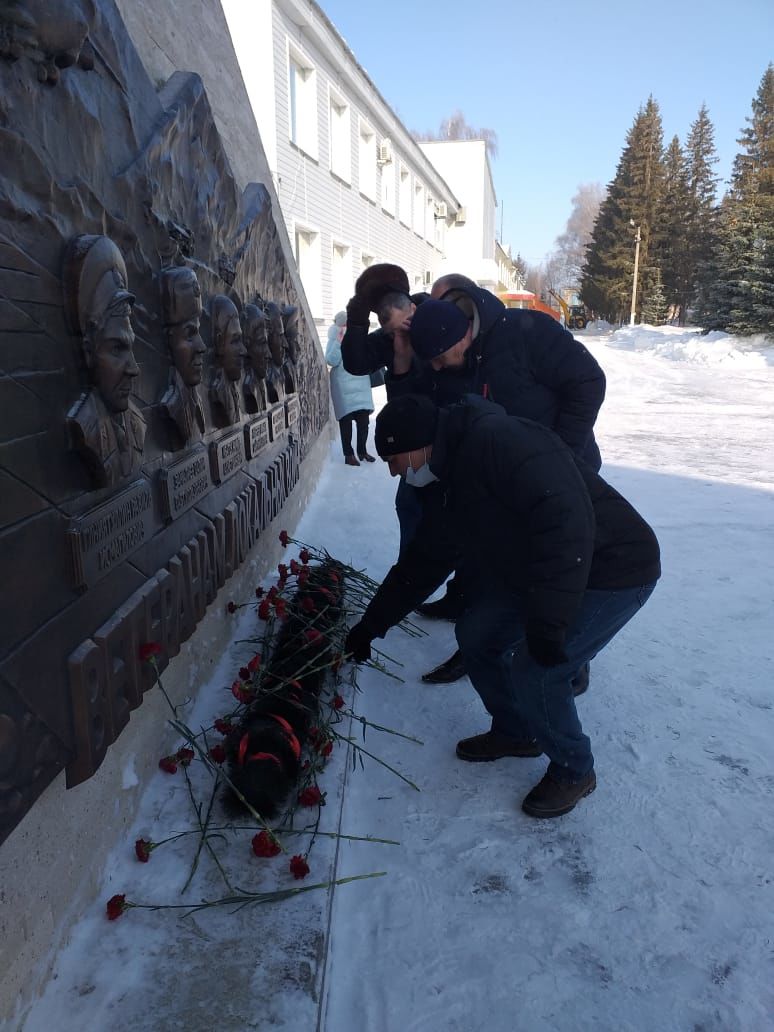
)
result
[(231, 607), (184, 756), (307, 604), (149, 650), (116, 905), (142, 849), (328, 594), (264, 609), (272, 594), (244, 673), (313, 734), (303, 555), (254, 663), (303, 576), (281, 582), (313, 636), (259, 592), (311, 796), (223, 726), (294, 567), (240, 693), (299, 868), (284, 538), (265, 844), (334, 577), (168, 764), (283, 571), (281, 608), (337, 702), (217, 754), (327, 749)]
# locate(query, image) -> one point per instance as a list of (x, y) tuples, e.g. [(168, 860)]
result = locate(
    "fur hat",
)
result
[(406, 423), (378, 280), (436, 327)]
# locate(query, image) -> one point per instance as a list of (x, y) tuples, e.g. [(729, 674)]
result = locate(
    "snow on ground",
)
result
[(651, 906)]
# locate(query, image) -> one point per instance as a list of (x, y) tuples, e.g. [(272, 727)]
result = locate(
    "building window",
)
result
[(388, 187), (366, 260), (302, 94), (404, 195), (340, 141), (419, 208), (307, 247), (367, 161), (429, 219), (342, 281)]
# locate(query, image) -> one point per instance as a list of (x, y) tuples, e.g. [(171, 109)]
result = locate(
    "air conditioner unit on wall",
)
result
[(460, 216), (428, 277), (441, 210), (385, 151)]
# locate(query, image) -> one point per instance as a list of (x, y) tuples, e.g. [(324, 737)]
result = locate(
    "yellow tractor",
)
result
[(575, 316)]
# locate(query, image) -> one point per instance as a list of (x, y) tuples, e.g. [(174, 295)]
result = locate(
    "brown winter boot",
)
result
[(552, 798), (493, 746)]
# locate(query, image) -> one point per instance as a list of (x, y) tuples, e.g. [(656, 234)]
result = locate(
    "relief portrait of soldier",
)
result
[(104, 425), (229, 350), (275, 377), (257, 363), (181, 308), (290, 328)]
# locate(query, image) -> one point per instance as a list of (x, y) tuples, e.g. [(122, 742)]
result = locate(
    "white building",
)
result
[(353, 185)]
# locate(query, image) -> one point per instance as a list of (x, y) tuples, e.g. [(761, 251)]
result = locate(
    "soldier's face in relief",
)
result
[(258, 347), (114, 366), (233, 349), (187, 347)]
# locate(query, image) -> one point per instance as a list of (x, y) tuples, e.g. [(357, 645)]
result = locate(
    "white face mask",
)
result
[(420, 477)]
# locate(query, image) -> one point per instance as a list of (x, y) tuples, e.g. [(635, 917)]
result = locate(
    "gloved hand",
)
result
[(358, 311), (358, 643), (545, 651)]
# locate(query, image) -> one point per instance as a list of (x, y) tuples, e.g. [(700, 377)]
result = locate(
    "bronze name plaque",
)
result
[(277, 417), (293, 410), (227, 456), (257, 436), (184, 483), (104, 537)]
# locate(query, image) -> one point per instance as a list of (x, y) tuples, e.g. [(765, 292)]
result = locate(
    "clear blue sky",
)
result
[(561, 83)]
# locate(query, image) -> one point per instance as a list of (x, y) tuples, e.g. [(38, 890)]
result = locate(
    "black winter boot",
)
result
[(493, 746), (449, 671), (552, 798)]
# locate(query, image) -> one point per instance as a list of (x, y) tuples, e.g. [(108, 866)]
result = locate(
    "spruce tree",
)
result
[(701, 215), (742, 298), (633, 197), (675, 280)]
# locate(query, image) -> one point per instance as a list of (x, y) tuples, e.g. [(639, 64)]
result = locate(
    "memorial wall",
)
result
[(161, 381)]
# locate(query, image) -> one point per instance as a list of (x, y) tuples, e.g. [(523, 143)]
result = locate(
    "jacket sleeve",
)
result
[(333, 351), (535, 476), (564, 365), (424, 565), (363, 352)]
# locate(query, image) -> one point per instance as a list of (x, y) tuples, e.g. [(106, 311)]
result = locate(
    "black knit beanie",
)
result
[(405, 424)]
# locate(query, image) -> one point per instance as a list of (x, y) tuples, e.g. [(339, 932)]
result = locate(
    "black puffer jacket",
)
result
[(362, 352), (524, 516), (526, 362)]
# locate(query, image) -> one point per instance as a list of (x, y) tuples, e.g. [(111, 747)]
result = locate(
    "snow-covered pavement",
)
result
[(649, 907)]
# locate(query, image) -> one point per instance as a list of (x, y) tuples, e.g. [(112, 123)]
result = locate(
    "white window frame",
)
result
[(342, 279), (302, 102), (388, 187), (340, 136), (404, 195), (366, 153), (307, 252)]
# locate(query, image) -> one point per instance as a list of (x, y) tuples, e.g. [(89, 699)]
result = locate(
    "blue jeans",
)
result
[(525, 700)]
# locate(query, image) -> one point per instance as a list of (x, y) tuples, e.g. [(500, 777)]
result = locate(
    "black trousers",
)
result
[(345, 429)]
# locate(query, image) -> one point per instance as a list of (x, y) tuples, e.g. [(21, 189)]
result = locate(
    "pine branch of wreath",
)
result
[(265, 746)]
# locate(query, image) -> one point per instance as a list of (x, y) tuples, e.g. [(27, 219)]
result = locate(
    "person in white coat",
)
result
[(351, 396)]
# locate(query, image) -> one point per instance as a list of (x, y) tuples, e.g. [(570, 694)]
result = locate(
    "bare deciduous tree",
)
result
[(570, 249), (455, 127)]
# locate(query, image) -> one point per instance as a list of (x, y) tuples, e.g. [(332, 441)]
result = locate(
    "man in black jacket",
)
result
[(553, 562), (465, 340)]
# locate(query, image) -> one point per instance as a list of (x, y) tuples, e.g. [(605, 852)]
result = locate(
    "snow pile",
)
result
[(688, 345)]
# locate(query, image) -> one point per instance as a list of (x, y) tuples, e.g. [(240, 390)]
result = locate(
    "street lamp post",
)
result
[(637, 239)]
